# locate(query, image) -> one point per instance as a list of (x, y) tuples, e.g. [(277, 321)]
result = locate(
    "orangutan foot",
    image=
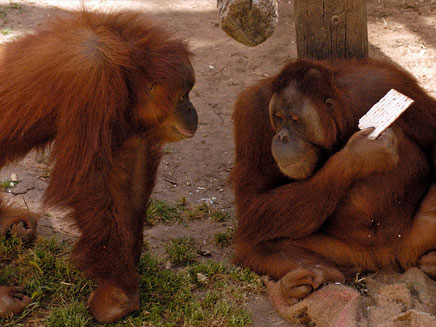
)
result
[(427, 263), (299, 283), (12, 300), (19, 222), (109, 303)]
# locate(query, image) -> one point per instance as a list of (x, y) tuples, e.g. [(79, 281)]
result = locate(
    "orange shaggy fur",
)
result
[(79, 83)]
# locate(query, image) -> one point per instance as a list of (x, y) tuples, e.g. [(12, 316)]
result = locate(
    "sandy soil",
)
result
[(401, 30)]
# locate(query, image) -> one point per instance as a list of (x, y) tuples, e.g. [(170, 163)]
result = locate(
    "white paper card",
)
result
[(385, 112)]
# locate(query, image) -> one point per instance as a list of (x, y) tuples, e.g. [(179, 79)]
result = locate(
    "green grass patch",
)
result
[(163, 212), (224, 239), (74, 314), (202, 294), (10, 248), (47, 276), (7, 183), (5, 9), (181, 251), (6, 31), (15, 5), (220, 216), (193, 293), (178, 298), (198, 212)]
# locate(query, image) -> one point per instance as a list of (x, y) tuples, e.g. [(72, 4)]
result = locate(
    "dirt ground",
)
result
[(400, 30)]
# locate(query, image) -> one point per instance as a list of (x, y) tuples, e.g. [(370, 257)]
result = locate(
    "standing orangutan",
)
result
[(109, 90), (316, 199)]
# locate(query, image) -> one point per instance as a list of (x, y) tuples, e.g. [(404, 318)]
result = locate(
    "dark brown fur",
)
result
[(320, 226)]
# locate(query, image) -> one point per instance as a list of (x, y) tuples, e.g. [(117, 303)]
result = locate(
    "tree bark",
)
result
[(328, 29)]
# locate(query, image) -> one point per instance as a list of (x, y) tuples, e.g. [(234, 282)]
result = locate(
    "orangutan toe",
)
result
[(300, 282), (427, 263), (12, 300), (19, 222), (297, 284), (25, 230)]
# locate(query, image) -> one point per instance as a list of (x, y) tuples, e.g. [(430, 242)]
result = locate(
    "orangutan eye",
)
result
[(329, 102), (278, 116), (293, 118)]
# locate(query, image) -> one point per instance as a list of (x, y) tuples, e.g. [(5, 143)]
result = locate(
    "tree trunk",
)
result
[(328, 29)]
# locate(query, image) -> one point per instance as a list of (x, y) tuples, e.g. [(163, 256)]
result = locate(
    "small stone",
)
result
[(14, 177), (202, 278)]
